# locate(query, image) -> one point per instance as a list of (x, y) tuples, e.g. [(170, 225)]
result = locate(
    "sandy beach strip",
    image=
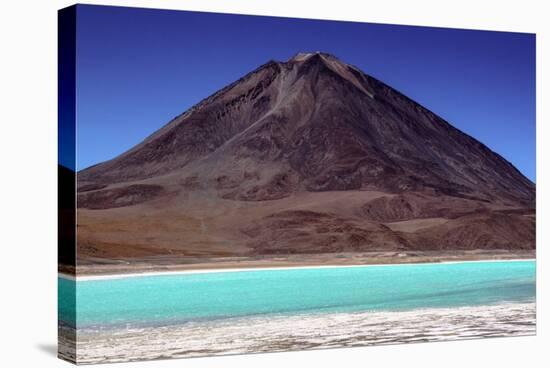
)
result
[(275, 268)]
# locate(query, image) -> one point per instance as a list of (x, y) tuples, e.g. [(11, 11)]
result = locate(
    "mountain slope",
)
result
[(313, 124)]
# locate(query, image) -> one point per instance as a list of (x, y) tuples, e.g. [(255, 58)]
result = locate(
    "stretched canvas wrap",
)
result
[(236, 184)]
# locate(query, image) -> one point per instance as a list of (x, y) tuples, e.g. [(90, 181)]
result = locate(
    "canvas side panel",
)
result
[(66, 183)]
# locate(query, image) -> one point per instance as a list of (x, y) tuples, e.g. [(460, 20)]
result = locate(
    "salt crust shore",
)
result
[(248, 269), (302, 332)]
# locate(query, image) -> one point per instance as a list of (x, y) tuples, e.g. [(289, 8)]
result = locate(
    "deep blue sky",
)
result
[(138, 68)]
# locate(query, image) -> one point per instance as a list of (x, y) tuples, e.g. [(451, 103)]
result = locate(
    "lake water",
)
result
[(178, 298), (185, 315)]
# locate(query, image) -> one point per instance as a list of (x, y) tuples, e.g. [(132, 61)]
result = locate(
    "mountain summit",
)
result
[(309, 155)]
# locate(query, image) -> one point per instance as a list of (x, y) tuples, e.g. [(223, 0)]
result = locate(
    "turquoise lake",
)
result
[(180, 298)]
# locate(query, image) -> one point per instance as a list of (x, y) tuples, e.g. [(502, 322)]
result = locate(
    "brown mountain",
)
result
[(306, 156)]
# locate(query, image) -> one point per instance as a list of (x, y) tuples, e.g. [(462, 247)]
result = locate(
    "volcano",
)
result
[(307, 156)]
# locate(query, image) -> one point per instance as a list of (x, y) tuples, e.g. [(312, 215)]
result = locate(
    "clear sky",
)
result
[(139, 68)]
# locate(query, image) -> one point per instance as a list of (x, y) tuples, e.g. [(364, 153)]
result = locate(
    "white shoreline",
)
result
[(270, 333), (251, 269)]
